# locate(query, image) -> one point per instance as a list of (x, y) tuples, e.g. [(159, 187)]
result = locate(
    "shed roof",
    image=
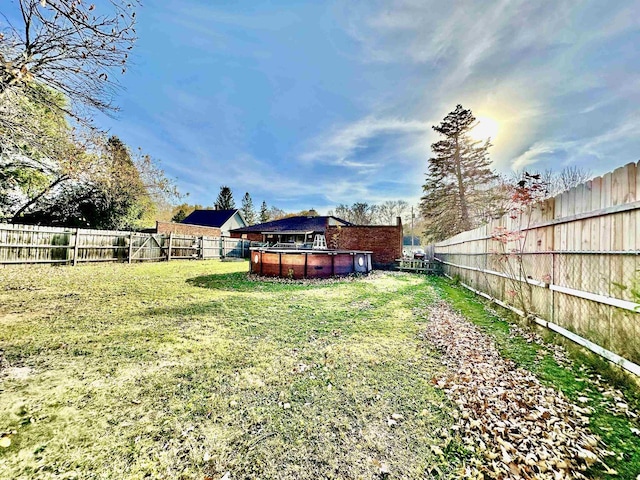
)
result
[(292, 224), (209, 218)]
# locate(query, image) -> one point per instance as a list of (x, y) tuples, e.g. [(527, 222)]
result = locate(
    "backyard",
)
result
[(192, 370)]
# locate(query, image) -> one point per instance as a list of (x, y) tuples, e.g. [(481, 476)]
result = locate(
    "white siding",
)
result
[(234, 222)]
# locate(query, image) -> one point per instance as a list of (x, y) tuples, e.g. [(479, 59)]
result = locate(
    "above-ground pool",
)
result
[(291, 263)]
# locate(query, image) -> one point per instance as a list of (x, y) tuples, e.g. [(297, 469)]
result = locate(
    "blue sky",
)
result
[(312, 104)]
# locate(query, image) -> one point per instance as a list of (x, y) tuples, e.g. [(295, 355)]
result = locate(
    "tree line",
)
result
[(360, 213)]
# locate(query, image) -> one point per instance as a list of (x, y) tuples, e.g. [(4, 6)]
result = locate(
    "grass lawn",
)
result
[(190, 370)]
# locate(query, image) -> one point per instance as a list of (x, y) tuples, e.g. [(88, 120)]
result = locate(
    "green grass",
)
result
[(190, 370), (578, 379)]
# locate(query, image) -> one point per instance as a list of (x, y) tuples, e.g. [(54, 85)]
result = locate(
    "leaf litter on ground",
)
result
[(517, 427)]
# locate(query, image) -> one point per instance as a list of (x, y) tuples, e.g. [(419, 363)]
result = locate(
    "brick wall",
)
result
[(187, 229), (384, 241)]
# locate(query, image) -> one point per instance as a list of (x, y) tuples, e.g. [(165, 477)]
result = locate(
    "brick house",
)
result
[(385, 241), (299, 229)]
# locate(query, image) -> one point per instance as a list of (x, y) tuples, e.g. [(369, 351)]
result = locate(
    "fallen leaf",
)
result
[(504, 414), (397, 416), (437, 450), (5, 442)]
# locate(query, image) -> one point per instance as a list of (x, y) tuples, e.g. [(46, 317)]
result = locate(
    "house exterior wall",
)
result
[(333, 221), (187, 229), (236, 221), (384, 241)]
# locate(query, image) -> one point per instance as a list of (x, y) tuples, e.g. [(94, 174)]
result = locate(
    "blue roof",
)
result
[(292, 224), (209, 218)]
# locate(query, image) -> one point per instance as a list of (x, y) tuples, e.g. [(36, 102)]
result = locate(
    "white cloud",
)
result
[(339, 146), (532, 154)]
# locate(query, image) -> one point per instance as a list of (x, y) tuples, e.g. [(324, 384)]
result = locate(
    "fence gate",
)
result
[(147, 247)]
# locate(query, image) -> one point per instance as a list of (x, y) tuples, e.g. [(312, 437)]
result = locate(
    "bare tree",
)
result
[(276, 213), (68, 46), (362, 213), (342, 211), (556, 182), (388, 211), (572, 176)]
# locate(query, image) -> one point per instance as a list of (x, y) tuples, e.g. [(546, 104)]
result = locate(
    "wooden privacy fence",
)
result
[(57, 245), (572, 263)]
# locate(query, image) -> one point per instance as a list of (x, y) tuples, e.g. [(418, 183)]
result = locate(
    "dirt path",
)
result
[(518, 427)]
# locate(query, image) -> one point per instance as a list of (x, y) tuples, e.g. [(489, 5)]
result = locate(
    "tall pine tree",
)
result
[(247, 209), (264, 212), (225, 199), (458, 178)]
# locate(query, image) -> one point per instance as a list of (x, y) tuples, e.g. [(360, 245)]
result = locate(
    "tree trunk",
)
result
[(464, 209), (21, 210)]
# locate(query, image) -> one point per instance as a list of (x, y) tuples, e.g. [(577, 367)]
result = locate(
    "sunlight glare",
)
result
[(486, 128)]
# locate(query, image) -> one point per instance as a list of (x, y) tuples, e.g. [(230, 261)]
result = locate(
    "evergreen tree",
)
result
[(264, 212), (458, 178), (179, 216), (247, 209), (225, 199)]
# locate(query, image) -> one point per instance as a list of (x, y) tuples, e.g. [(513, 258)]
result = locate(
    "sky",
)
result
[(312, 104)]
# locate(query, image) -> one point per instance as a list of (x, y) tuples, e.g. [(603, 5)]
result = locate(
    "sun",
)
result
[(486, 128)]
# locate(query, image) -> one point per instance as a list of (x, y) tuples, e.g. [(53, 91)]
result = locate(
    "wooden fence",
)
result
[(35, 244), (573, 261)]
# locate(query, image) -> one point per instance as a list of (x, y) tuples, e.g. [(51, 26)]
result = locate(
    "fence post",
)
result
[(553, 293), (75, 247), (169, 249), (242, 247), (202, 247), (130, 247)]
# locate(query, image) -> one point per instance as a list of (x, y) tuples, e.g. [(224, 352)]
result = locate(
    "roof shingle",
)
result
[(292, 224), (209, 218)]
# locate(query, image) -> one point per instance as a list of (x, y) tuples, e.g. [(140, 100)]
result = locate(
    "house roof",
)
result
[(292, 224), (209, 218)]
